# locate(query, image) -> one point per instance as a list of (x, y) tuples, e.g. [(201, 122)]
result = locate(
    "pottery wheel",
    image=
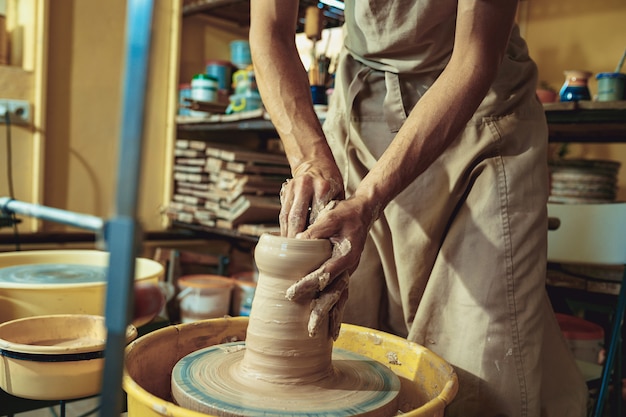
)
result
[(209, 380), (37, 274)]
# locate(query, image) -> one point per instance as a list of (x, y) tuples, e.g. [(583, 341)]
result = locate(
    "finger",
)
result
[(320, 307), (286, 200), (336, 314), (328, 191), (309, 285), (298, 216), (317, 280), (316, 208), (282, 219), (320, 208)]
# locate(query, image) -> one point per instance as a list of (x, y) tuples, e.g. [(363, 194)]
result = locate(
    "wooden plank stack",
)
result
[(218, 185)]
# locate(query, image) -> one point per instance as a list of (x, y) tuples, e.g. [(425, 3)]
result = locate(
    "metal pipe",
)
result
[(83, 221)]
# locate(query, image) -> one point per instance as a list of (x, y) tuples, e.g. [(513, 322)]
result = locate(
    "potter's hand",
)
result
[(346, 224), (305, 195)]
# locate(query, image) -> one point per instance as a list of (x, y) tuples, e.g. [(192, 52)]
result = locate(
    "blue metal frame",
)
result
[(84, 221), (611, 369), (122, 232)]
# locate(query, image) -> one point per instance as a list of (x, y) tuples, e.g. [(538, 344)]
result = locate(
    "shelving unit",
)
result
[(238, 11), (569, 124), (587, 122)]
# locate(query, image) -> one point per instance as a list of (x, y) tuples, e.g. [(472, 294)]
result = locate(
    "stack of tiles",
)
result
[(222, 186)]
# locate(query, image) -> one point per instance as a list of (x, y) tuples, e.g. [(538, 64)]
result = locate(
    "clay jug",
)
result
[(575, 87), (277, 329)]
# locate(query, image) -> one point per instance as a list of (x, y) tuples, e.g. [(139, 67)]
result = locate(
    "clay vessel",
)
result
[(575, 87), (277, 330), (280, 370)]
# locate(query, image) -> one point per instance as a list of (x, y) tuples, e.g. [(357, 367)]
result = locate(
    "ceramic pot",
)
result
[(546, 96), (575, 87), (276, 325), (54, 357), (611, 86)]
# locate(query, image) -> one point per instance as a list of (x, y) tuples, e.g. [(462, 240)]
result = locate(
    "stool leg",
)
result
[(614, 343)]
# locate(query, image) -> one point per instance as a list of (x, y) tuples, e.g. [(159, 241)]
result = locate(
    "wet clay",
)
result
[(280, 370)]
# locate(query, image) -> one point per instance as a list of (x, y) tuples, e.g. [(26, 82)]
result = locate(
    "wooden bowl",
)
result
[(54, 357)]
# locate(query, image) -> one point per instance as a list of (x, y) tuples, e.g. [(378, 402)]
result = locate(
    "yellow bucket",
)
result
[(429, 383), (23, 299)]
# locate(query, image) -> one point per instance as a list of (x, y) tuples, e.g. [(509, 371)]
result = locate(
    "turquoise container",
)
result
[(240, 53), (611, 86), (184, 91), (244, 102), (222, 71)]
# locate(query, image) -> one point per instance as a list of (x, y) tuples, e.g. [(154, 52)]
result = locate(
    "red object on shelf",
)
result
[(575, 328)]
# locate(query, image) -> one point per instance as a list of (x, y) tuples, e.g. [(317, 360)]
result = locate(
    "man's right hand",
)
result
[(313, 186)]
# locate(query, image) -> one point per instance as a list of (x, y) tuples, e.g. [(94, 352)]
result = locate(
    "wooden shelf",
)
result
[(587, 132), (238, 11), (256, 120), (590, 122), (232, 236), (567, 122)]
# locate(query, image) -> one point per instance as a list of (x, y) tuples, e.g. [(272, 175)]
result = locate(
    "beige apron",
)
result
[(457, 261)]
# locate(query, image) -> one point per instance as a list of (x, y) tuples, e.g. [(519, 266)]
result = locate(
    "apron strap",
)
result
[(393, 107), (354, 88)]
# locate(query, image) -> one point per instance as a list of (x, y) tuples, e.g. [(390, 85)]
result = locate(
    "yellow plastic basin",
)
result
[(55, 357), (429, 383), (19, 300)]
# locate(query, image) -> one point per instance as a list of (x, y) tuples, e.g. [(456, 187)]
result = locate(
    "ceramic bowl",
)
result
[(54, 357), (39, 282)]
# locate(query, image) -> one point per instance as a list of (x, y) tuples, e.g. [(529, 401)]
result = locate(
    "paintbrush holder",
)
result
[(318, 93)]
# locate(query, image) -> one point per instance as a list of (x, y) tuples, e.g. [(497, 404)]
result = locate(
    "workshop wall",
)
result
[(21, 78), (204, 38), (84, 96), (578, 34)]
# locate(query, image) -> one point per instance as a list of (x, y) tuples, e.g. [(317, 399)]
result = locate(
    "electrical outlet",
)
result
[(19, 111)]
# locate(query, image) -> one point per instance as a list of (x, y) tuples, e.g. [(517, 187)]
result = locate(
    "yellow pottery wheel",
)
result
[(68, 291), (428, 383)]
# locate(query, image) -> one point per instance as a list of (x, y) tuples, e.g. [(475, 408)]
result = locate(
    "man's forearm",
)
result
[(284, 87)]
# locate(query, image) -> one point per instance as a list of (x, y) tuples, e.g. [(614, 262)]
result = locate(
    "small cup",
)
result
[(318, 93), (611, 86), (222, 71), (240, 54)]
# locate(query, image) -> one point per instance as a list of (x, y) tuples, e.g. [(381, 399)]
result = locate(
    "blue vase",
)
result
[(575, 87)]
